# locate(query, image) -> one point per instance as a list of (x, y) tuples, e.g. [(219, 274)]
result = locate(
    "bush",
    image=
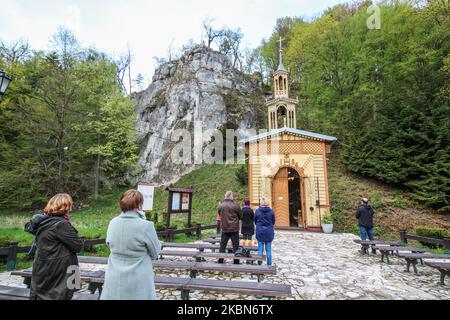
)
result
[(153, 216), (436, 233), (5, 241), (193, 224), (326, 219), (160, 226), (242, 174)]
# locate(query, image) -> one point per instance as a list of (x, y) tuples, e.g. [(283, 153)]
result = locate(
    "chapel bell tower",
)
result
[(281, 109)]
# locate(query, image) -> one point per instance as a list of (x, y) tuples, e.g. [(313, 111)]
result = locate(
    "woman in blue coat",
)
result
[(264, 221)]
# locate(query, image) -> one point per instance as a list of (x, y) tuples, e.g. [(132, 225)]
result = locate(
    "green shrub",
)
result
[(193, 224), (400, 202), (436, 233), (160, 226), (377, 200), (5, 241), (242, 174), (327, 219), (153, 216)]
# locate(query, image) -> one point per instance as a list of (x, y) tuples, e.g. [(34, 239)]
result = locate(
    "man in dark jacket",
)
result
[(364, 214), (230, 215)]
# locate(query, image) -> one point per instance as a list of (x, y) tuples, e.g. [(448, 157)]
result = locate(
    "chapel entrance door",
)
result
[(280, 198)]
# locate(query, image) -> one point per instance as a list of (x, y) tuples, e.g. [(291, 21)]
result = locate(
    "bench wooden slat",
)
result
[(215, 255), (438, 265), (423, 255), (18, 293), (378, 242), (400, 248), (194, 266), (243, 287), (181, 283), (200, 246)]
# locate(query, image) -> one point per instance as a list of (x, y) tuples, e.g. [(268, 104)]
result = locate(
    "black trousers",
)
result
[(234, 236), (246, 236)]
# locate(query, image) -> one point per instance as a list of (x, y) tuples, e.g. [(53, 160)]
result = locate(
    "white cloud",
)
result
[(148, 27)]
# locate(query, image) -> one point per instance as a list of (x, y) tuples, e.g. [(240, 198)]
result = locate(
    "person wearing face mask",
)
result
[(133, 243), (57, 244)]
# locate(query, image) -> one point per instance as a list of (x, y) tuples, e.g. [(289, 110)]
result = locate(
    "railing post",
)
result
[(199, 231), (447, 244), (81, 253), (12, 256), (403, 238), (218, 227)]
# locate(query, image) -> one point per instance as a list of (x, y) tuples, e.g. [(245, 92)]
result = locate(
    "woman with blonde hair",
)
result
[(133, 243), (57, 245)]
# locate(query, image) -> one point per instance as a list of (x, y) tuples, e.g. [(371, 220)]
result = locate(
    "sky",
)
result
[(147, 27)]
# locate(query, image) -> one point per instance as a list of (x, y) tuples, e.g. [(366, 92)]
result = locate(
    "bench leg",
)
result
[(185, 294), (382, 256), (387, 257), (412, 262), (363, 249), (92, 287), (260, 277), (27, 281), (443, 273), (408, 264)]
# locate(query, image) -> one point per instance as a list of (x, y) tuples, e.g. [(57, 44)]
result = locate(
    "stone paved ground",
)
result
[(321, 266)]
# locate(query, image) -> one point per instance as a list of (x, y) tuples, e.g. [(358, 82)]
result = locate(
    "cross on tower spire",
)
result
[(281, 49), (281, 66)]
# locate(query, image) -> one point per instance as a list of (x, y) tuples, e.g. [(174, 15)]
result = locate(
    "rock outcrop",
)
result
[(200, 87)]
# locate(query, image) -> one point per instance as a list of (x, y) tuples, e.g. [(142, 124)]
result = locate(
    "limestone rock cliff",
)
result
[(200, 86)]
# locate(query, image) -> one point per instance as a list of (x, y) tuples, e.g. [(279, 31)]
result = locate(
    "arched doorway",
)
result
[(287, 194)]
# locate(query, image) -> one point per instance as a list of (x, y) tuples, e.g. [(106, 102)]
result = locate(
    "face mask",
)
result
[(142, 213)]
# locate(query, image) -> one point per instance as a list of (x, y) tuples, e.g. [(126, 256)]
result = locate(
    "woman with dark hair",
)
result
[(247, 227), (57, 245), (133, 243)]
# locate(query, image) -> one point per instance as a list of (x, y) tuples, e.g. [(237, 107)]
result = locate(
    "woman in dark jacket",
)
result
[(57, 244), (265, 220), (247, 227)]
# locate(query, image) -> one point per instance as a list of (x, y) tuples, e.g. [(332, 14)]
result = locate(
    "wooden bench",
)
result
[(387, 250), (443, 267), (200, 256), (412, 258), (195, 267), (185, 285), (365, 244), (17, 293), (202, 246)]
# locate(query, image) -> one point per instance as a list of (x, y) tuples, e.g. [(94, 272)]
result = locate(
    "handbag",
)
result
[(242, 252)]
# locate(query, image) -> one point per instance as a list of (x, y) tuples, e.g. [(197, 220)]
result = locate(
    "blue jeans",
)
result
[(364, 232), (268, 245)]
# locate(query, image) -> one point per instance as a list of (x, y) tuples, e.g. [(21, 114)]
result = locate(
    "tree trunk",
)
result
[(97, 172)]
